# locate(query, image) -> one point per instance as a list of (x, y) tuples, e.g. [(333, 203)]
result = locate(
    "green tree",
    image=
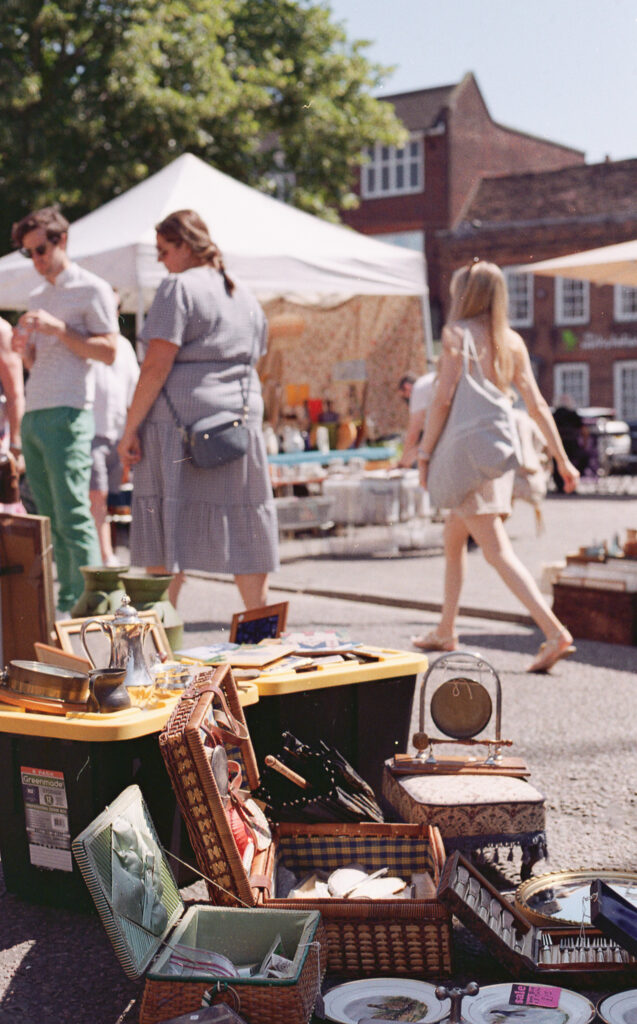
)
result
[(95, 95)]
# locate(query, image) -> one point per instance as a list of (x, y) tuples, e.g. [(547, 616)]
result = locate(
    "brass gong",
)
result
[(461, 707)]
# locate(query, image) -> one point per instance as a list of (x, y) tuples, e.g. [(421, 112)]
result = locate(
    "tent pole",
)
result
[(426, 323)]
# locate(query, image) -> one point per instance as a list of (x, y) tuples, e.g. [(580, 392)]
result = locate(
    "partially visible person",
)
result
[(12, 381), (478, 305), (114, 390), (72, 320), (202, 338), (11, 412), (570, 427), (420, 393), (530, 482)]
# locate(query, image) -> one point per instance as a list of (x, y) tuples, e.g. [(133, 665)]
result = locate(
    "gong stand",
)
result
[(461, 707)]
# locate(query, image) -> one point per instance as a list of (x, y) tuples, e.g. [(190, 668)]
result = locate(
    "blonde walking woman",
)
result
[(479, 305)]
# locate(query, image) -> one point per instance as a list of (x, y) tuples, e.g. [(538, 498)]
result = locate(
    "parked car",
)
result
[(609, 440), (632, 426)]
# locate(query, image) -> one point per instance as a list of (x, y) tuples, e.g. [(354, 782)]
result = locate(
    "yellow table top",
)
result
[(91, 727), (391, 665)]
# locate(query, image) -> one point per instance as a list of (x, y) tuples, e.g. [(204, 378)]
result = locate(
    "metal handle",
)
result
[(105, 627), (456, 995)]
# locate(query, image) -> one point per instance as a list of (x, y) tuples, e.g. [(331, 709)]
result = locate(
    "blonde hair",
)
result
[(480, 289)]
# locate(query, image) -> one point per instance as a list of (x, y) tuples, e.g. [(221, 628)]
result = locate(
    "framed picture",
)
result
[(250, 627), (156, 646), (26, 584)]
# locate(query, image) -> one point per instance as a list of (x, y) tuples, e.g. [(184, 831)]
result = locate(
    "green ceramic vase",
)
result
[(103, 591), (149, 592)]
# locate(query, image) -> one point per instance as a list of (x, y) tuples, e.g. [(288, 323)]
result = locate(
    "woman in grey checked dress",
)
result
[(203, 334)]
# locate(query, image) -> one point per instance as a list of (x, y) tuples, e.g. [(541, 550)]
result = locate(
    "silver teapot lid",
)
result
[(126, 615)]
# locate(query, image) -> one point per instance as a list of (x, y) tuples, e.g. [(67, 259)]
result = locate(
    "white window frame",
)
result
[(403, 239), (562, 288), (624, 296), (560, 387), (515, 280), (619, 368), (385, 161)]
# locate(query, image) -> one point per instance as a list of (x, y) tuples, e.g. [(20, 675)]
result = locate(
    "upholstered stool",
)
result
[(477, 802), (473, 812)]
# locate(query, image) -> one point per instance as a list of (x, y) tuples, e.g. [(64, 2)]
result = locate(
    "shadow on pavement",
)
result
[(59, 966)]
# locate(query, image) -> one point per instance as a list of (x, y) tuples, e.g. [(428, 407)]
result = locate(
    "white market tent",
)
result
[(273, 248), (611, 264)]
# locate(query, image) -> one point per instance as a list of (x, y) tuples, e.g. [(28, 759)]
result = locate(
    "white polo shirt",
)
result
[(87, 305)]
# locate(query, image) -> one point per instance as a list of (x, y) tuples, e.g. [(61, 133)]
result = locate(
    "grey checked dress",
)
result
[(214, 520)]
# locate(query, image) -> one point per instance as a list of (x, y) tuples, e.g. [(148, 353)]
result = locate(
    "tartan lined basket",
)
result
[(365, 937)]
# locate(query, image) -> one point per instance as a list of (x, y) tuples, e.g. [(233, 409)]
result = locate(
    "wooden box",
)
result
[(596, 614), (519, 945)]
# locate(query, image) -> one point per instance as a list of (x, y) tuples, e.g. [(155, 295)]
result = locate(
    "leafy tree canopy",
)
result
[(95, 95)]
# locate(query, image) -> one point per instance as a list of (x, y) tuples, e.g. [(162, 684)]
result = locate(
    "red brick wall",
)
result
[(479, 147), (455, 160), (546, 342)]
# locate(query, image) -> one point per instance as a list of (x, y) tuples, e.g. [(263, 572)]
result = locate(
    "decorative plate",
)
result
[(565, 895), (492, 1006), (620, 1008), (399, 999)]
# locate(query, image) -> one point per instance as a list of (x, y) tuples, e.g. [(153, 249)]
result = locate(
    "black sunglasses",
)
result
[(39, 249)]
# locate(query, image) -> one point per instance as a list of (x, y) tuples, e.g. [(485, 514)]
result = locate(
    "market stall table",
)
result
[(380, 497), (361, 708), (59, 772), (368, 453)]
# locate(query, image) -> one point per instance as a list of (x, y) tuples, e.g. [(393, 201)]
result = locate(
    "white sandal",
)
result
[(560, 645), (432, 641)]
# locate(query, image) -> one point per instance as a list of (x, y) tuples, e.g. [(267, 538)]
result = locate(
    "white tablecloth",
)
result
[(381, 497)]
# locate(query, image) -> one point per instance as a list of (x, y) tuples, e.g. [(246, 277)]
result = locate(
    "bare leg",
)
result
[(99, 510), (176, 583), (494, 541), (253, 588), (455, 539)]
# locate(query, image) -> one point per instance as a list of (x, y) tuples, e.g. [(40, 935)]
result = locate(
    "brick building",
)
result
[(582, 338), (410, 194)]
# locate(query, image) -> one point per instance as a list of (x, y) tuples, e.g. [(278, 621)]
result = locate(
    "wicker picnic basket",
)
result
[(243, 935), (365, 937)]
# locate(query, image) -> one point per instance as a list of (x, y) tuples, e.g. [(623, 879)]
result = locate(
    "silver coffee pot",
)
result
[(127, 633)]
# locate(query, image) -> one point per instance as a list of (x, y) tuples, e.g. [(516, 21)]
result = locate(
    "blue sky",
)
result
[(562, 69)]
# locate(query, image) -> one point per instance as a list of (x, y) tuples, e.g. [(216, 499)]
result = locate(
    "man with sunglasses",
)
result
[(71, 320)]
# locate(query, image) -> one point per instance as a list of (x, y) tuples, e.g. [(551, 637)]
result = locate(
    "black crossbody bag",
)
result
[(208, 443)]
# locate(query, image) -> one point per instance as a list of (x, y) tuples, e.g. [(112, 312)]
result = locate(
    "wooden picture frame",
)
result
[(68, 633), (250, 627), (26, 584), (47, 654)]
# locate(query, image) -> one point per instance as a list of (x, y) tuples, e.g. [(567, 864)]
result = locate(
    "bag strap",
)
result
[(244, 385), (183, 430), (469, 351)]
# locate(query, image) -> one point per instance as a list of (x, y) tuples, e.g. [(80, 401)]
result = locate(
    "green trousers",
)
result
[(57, 452)]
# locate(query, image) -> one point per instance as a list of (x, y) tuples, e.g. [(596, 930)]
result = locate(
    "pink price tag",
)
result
[(535, 995)]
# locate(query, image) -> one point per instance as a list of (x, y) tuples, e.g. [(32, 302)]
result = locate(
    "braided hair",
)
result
[(187, 227)]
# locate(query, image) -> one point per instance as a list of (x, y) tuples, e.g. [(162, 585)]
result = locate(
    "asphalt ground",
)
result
[(575, 727)]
